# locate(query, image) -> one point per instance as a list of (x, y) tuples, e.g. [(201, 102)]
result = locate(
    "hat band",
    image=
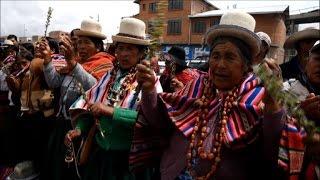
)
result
[(129, 35)]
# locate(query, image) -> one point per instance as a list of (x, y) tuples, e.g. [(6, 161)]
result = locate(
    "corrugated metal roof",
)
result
[(255, 10)]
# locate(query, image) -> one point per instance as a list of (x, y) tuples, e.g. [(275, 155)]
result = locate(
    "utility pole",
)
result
[(98, 17)]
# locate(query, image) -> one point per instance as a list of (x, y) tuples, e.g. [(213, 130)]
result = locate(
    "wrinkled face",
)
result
[(86, 48), (227, 67), (128, 55), (313, 69)]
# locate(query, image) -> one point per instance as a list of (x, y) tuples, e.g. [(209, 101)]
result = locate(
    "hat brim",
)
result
[(89, 34), (248, 37), (14, 176), (301, 35), (130, 40), (315, 48)]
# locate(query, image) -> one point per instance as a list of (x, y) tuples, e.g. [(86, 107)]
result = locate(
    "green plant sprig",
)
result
[(49, 16), (287, 98), (157, 29)]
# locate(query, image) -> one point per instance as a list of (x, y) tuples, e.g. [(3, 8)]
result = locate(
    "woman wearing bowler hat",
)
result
[(223, 124)]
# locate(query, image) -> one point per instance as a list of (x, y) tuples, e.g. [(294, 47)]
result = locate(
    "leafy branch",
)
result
[(49, 16), (287, 98), (157, 28)]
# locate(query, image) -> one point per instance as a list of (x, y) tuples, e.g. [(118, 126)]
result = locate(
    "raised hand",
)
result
[(145, 76), (67, 47), (69, 51), (176, 85), (43, 51), (311, 107), (274, 69)]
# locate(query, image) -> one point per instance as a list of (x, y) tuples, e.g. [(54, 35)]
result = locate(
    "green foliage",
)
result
[(157, 28), (49, 16), (286, 98)]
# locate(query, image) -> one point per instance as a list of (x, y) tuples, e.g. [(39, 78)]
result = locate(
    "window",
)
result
[(199, 27), (153, 7), (215, 22), (175, 4), (174, 27), (143, 7)]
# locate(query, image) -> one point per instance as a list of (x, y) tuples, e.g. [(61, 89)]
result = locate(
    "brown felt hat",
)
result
[(309, 33)]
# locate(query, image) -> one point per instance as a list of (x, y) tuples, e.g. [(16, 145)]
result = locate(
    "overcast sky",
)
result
[(28, 17)]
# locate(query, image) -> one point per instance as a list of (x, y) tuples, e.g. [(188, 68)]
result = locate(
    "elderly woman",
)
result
[(220, 128), (112, 105), (79, 75)]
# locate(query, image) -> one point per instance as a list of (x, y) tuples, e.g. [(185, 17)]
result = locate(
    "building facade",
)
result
[(177, 22), (187, 21)]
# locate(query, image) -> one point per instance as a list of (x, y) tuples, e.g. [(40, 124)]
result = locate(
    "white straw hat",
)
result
[(264, 37), (237, 24), (90, 28), (132, 31)]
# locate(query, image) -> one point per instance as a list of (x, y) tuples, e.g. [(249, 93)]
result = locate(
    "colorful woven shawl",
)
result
[(291, 149), (187, 75), (98, 64), (144, 149), (244, 118)]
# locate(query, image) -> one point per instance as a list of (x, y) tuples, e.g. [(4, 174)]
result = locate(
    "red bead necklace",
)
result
[(197, 149)]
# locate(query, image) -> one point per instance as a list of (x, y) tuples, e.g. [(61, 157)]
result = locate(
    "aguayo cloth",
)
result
[(187, 75), (244, 118), (58, 61), (9, 59), (142, 149), (98, 64), (291, 149)]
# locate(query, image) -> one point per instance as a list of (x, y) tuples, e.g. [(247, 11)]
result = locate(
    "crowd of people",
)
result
[(70, 109)]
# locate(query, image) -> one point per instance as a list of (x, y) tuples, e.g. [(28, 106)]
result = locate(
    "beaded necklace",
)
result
[(197, 149), (115, 95)]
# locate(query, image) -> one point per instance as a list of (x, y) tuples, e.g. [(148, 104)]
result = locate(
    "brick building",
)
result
[(188, 20), (270, 20), (178, 24)]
